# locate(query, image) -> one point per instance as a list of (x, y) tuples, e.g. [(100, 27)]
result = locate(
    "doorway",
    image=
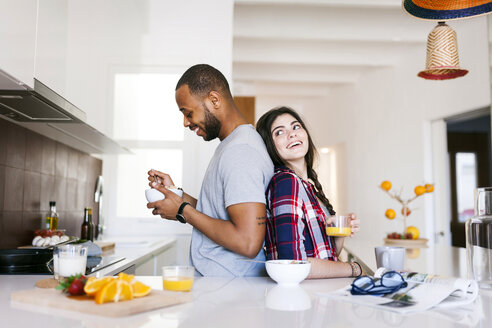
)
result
[(469, 149), (246, 106)]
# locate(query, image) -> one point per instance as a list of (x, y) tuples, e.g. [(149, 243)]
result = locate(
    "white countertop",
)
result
[(433, 259), (244, 302), (134, 250)]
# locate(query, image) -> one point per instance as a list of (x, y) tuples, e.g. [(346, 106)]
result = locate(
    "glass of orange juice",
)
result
[(178, 278), (339, 226)]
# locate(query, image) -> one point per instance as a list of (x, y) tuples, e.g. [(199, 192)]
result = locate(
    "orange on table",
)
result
[(386, 185), (414, 231), (115, 291), (139, 289), (390, 213), (419, 190), (93, 284)]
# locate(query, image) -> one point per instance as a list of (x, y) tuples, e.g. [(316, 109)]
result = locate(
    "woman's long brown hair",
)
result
[(264, 126)]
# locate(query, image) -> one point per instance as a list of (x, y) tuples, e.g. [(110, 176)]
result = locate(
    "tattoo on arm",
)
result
[(261, 220)]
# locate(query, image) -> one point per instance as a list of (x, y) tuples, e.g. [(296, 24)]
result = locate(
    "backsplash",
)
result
[(35, 170)]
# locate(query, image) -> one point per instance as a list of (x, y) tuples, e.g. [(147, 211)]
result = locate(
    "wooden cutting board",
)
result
[(55, 299), (105, 245)]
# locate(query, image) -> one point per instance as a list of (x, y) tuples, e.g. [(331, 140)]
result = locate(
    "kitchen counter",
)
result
[(135, 251), (244, 302), (434, 259)]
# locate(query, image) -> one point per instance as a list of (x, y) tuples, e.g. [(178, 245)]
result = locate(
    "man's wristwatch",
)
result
[(180, 217)]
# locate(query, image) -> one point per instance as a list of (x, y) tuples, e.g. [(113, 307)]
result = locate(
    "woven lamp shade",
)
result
[(442, 55), (446, 9)]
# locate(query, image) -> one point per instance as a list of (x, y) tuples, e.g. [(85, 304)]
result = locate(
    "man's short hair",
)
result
[(203, 78)]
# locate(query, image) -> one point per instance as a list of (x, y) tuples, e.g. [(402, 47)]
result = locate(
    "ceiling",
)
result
[(280, 45)]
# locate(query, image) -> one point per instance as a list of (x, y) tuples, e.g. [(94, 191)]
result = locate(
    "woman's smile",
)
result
[(294, 144)]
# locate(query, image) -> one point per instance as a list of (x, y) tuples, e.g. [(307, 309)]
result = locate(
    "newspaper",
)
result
[(424, 291)]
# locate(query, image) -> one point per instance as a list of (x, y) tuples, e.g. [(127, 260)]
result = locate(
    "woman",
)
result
[(297, 208)]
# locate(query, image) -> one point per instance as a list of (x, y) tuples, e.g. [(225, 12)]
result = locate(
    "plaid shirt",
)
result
[(295, 220)]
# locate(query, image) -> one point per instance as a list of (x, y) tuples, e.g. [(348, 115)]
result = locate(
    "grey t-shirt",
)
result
[(239, 172)]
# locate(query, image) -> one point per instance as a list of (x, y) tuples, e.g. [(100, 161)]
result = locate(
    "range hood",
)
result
[(44, 111)]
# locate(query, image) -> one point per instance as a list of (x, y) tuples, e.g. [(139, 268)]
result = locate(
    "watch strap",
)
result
[(179, 216)]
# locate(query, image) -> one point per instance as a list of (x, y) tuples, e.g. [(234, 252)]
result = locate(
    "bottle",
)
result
[(87, 228), (51, 221), (479, 239)]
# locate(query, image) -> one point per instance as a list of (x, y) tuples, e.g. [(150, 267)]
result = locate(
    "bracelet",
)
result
[(353, 266)]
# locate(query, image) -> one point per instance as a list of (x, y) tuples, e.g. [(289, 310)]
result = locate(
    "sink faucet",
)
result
[(98, 198)]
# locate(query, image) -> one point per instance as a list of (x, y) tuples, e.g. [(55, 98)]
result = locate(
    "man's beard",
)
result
[(211, 125)]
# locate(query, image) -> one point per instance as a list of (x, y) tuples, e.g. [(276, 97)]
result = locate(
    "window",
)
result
[(147, 121), (466, 182)]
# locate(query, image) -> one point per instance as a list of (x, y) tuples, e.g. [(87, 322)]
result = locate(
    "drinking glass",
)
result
[(339, 226), (178, 278), (69, 260), (479, 239)]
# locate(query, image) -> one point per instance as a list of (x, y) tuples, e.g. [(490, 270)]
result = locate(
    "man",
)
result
[(229, 216)]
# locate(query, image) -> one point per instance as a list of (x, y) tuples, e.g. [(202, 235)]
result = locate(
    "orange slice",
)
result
[(126, 277), (93, 284), (114, 291), (139, 289)]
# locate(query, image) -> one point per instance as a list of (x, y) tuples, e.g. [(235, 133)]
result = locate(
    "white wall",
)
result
[(383, 122), (110, 36)]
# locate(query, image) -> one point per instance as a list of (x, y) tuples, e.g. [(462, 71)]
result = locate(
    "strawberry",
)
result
[(76, 287), (73, 285)]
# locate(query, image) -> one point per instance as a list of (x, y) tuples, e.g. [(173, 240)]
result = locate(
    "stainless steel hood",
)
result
[(41, 104), (44, 111)]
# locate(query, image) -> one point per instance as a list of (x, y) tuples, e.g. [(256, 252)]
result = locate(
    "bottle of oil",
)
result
[(87, 228), (51, 221)]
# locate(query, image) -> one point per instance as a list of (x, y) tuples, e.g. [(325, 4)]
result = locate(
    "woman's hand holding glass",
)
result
[(342, 225), (354, 223)]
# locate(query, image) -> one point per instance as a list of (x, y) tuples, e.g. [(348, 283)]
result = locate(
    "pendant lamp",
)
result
[(442, 46)]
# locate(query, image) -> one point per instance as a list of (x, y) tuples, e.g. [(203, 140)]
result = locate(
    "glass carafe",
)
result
[(479, 239)]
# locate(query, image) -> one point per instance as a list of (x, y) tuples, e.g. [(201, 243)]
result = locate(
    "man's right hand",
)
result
[(163, 178)]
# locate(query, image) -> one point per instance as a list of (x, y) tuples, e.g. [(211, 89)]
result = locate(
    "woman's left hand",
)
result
[(354, 223)]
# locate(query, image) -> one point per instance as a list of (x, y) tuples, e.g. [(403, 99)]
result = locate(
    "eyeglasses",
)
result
[(389, 283)]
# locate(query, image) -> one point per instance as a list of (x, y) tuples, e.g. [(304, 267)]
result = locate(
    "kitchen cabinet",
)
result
[(44, 80), (34, 39), (151, 265), (18, 38), (52, 45)]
